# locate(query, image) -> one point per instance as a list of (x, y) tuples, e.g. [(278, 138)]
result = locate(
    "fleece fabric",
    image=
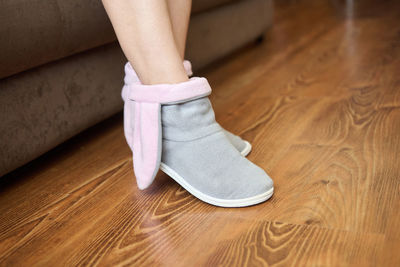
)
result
[(195, 147), (147, 132)]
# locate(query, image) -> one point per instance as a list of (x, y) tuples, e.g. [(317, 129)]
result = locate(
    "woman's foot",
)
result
[(175, 123), (198, 155)]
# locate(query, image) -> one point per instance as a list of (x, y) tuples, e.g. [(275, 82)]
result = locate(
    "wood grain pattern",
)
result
[(280, 244), (320, 102)]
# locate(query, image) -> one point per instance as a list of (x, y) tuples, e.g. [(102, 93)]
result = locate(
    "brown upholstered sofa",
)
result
[(61, 69)]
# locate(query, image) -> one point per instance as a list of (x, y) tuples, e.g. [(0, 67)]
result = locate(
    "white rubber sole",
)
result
[(246, 150), (227, 203)]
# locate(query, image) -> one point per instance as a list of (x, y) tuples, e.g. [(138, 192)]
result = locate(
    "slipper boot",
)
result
[(175, 130)]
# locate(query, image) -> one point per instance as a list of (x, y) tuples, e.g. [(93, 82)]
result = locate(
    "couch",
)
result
[(61, 68)]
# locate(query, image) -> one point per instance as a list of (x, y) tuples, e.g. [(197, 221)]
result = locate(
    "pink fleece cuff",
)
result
[(147, 134), (131, 76), (188, 67)]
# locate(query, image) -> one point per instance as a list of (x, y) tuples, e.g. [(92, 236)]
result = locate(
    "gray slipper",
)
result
[(198, 155), (175, 130)]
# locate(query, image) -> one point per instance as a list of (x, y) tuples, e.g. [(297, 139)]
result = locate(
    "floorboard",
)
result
[(319, 99)]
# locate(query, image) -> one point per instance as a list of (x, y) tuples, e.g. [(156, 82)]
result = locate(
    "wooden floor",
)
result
[(320, 102)]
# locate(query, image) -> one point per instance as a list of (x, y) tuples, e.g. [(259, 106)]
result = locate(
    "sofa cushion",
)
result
[(204, 5), (35, 32), (40, 31)]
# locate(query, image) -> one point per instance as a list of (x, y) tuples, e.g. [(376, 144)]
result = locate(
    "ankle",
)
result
[(164, 78), (168, 73)]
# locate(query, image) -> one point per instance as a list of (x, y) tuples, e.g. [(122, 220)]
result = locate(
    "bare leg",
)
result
[(144, 31), (179, 12)]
